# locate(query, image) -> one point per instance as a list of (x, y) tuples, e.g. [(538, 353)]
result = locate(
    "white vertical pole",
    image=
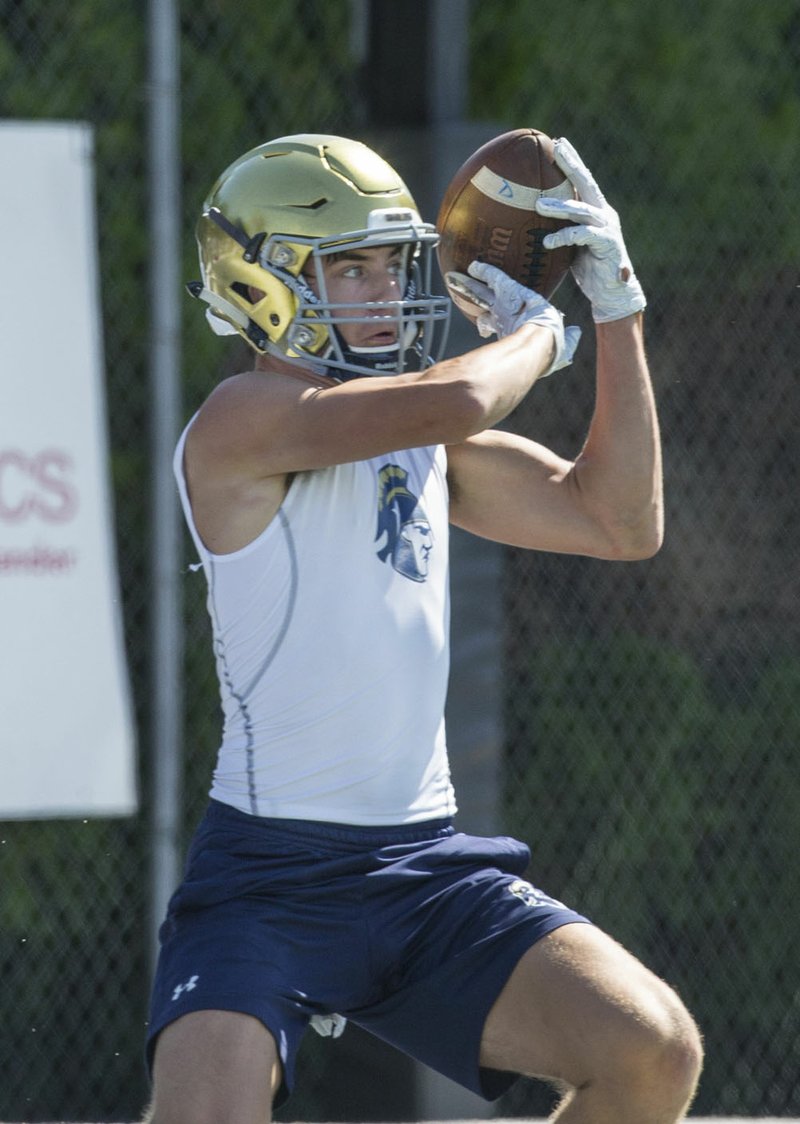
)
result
[(166, 631)]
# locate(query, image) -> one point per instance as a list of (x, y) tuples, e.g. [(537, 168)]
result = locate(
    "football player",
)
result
[(327, 881)]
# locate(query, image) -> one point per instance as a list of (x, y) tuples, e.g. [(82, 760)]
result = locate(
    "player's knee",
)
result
[(668, 1051), (686, 1051)]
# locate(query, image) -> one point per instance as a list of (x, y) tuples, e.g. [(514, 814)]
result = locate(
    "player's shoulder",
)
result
[(255, 390), (248, 416), (253, 383)]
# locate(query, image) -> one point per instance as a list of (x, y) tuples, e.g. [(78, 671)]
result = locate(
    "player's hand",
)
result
[(507, 305), (601, 267)]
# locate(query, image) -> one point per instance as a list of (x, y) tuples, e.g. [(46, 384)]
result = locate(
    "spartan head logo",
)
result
[(402, 524)]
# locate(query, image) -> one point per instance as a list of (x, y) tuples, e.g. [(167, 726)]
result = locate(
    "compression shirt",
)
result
[(330, 634)]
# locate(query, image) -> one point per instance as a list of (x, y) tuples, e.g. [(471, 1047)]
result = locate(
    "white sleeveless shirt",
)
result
[(331, 637)]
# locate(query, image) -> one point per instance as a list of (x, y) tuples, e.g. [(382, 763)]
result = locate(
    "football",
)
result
[(487, 214)]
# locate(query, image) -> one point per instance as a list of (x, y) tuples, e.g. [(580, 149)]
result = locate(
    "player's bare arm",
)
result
[(279, 420), (607, 503), (259, 427)]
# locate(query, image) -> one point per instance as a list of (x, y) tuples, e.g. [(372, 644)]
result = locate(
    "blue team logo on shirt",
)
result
[(402, 524)]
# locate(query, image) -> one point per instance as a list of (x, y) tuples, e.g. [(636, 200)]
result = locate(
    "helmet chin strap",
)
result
[(217, 304), (341, 374), (383, 359)]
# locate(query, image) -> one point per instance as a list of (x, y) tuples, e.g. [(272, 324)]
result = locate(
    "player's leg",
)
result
[(581, 1010), (214, 1067)]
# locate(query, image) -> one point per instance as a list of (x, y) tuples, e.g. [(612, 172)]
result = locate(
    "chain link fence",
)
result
[(651, 711)]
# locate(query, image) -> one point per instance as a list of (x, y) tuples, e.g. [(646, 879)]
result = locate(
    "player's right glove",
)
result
[(506, 305), (601, 267)]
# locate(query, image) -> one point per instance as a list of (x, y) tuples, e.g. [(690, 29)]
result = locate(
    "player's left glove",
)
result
[(506, 305), (601, 267)]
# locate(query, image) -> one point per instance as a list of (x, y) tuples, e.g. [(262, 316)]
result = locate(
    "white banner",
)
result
[(66, 730)]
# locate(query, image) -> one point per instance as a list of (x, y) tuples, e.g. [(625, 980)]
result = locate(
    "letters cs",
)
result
[(36, 485)]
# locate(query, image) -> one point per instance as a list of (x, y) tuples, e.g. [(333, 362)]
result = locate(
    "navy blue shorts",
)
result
[(410, 932)]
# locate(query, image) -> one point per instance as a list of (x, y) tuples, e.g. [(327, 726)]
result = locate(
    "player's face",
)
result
[(363, 277)]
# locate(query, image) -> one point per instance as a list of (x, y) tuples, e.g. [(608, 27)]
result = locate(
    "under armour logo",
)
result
[(190, 985)]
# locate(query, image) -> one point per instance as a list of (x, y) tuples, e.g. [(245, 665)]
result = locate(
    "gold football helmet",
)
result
[(282, 207)]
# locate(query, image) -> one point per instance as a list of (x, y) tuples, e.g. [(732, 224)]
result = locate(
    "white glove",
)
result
[(601, 267), (507, 305)]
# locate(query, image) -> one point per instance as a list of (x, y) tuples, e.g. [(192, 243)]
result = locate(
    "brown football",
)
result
[(487, 214)]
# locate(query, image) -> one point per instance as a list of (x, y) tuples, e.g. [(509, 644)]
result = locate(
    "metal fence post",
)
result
[(167, 639)]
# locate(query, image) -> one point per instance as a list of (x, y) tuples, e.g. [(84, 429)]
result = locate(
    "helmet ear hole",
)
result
[(247, 292)]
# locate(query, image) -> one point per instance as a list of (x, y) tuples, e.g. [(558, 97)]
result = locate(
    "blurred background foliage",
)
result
[(705, 102), (651, 711)]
